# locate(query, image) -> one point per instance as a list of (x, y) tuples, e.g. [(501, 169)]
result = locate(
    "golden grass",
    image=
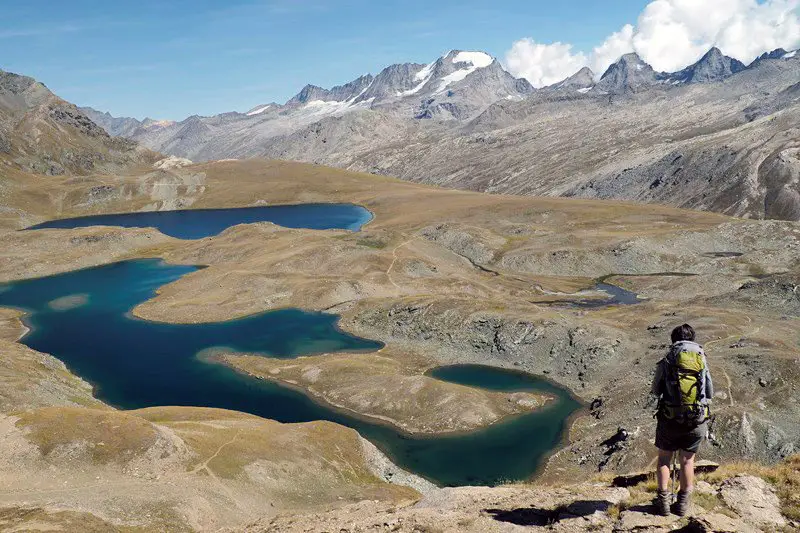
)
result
[(109, 436), (615, 511), (712, 503), (320, 457), (38, 519)]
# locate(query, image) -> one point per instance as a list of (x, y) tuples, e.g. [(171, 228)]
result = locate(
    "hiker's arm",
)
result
[(658, 378)]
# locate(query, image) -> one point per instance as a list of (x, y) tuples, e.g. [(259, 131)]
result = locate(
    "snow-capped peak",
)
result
[(473, 60), (465, 62), (477, 59), (790, 54)]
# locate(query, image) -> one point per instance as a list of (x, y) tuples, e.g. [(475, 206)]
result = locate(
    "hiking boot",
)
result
[(661, 503), (683, 503)]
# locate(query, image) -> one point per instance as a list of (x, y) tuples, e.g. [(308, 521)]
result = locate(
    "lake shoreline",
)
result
[(101, 389)]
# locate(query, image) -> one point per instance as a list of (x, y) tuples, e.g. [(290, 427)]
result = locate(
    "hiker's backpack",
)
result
[(685, 375)]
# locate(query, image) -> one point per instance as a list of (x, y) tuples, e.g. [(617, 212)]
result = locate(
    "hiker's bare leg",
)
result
[(687, 471), (662, 474)]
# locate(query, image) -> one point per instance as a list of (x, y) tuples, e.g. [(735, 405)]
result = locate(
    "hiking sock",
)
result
[(682, 505), (661, 503)]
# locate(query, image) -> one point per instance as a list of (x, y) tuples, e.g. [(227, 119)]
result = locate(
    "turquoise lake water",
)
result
[(83, 318)]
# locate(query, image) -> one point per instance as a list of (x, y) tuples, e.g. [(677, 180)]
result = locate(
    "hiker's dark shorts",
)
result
[(672, 437)]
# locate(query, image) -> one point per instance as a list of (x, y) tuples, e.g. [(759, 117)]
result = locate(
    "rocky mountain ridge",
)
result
[(722, 132), (404, 80), (43, 134)]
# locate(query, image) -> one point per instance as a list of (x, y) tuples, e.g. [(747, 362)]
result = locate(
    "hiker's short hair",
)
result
[(683, 333)]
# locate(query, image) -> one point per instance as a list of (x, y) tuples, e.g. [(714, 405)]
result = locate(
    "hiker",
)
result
[(682, 384)]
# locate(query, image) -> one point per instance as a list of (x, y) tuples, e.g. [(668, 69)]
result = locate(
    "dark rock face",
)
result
[(69, 115), (713, 66), (786, 98), (629, 74), (14, 83)]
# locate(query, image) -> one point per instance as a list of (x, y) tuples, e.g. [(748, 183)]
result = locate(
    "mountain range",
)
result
[(716, 135)]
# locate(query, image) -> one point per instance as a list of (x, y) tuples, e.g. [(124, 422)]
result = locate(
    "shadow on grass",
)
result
[(533, 516)]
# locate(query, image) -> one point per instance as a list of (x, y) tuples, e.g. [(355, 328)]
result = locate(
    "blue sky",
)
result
[(171, 59)]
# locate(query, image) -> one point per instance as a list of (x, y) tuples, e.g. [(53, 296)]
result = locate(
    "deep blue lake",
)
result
[(82, 317), (199, 223)]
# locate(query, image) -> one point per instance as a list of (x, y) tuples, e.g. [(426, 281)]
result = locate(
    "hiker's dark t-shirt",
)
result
[(671, 436)]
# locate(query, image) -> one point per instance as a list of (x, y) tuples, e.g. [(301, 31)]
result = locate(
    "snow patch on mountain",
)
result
[(259, 110), (790, 54), (423, 76), (321, 108), (425, 73)]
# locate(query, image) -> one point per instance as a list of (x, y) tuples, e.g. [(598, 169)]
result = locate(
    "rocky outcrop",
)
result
[(570, 354), (778, 293)]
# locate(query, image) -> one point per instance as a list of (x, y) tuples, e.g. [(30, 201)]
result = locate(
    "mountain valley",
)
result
[(439, 276)]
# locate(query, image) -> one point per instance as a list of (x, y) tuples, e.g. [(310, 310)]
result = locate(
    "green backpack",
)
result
[(684, 400)]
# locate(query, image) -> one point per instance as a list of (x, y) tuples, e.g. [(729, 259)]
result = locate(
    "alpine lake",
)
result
[(84, 318)]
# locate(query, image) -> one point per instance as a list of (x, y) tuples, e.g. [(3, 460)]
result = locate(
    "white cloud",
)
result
[(543, 64), (671, 34), (616, 45)]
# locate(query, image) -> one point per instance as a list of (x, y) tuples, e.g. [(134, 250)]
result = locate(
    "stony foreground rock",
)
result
[(578, 508)]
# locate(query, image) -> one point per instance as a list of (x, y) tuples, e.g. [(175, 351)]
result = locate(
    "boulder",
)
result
[(718, 523), (753, 499)]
